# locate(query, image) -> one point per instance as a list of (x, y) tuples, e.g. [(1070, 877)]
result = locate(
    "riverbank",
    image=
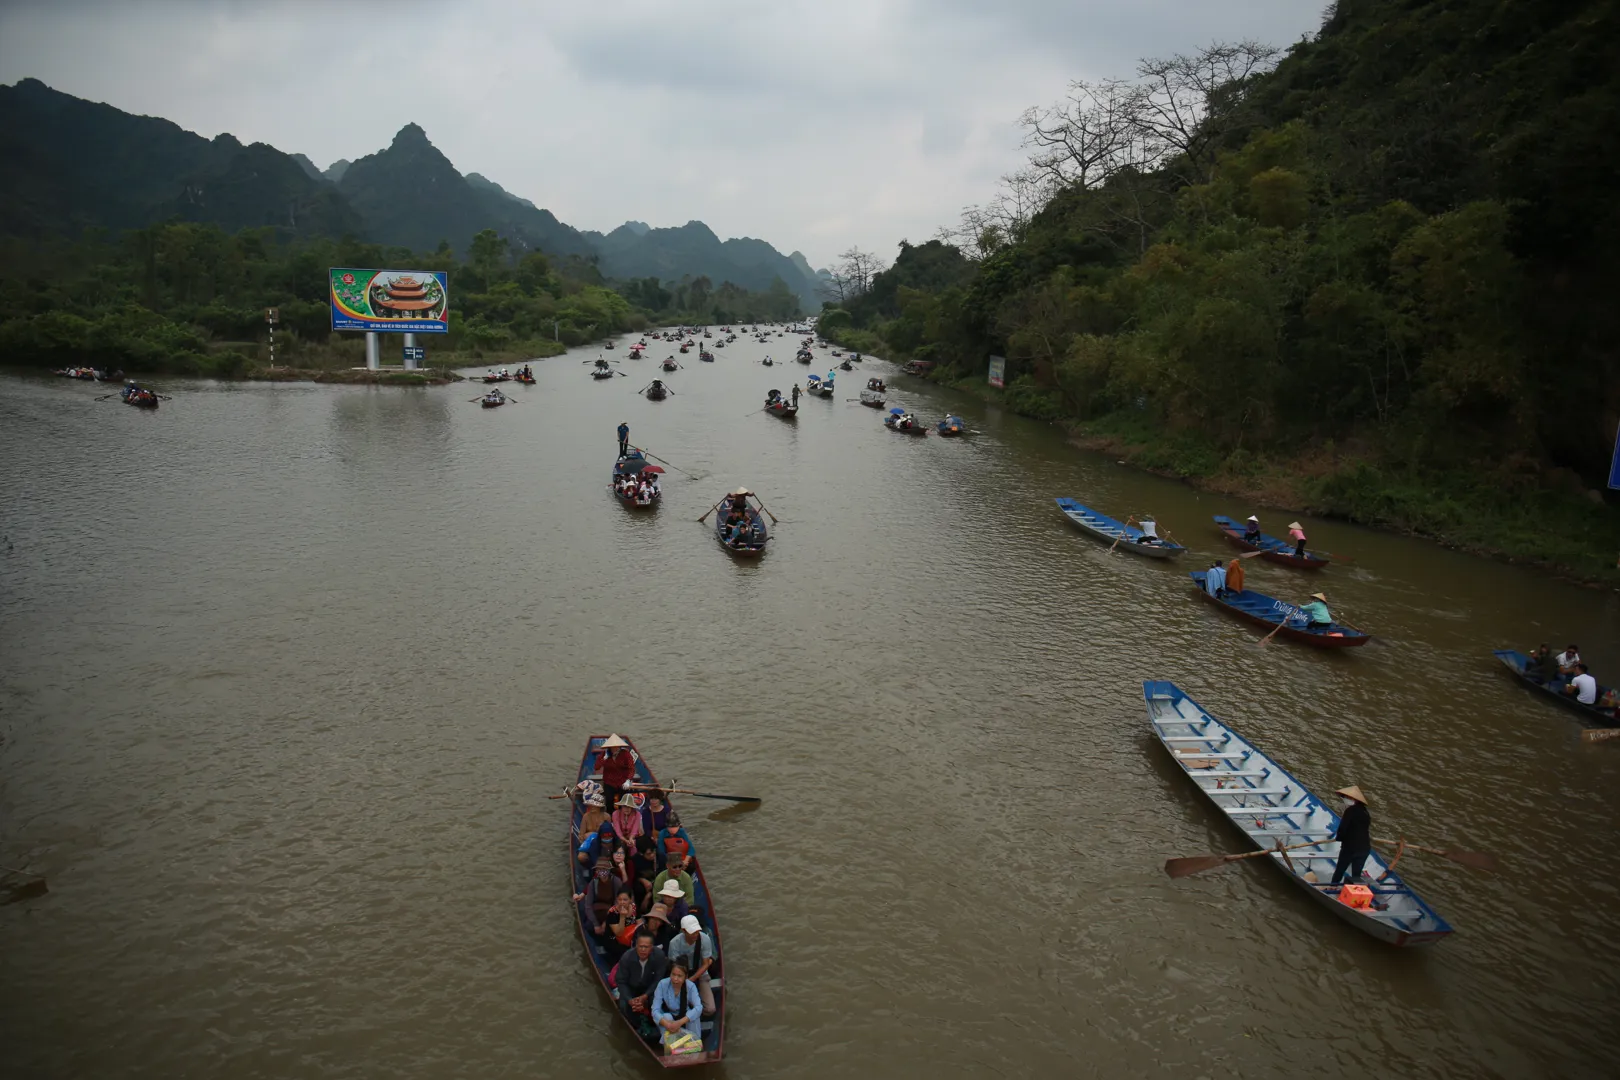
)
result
[(1551, 522)]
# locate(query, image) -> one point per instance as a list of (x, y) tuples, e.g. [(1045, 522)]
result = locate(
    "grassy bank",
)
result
[(1547, 520)]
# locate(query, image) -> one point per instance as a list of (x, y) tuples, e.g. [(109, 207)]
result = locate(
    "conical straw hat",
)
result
[(1352, 792), (613, 742)]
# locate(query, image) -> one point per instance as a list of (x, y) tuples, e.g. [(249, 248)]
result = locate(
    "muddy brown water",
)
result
[(286, 672)]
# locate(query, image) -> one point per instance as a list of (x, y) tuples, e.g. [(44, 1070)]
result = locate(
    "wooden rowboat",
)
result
[(1273, 809), (755, 536), (1268, 611), (1273, 549), (1592, 716), (1110, 529), (714, 1028)]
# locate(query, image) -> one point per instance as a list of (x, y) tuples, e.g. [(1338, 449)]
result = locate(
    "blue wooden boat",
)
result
[(1130, 538), (714, 1028), (633, 464), (1593, 717), (1268, 611), (750, 544), (951, 425), (1272, 548), (1274, 809)]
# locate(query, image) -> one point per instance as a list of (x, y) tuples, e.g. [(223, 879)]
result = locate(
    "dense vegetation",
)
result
[(190, 298), (1373, 279)]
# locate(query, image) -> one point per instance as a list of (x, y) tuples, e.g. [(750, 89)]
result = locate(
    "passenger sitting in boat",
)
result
[(627, 818), (594, 816), (696, 949), (675, 871), (1568, 660), (1583, 686), (677, 1005), (1234, 576), (1315, 613), (1544, 663), (1149, 527), (654, 813), (670, 836), (622, 922), (1251, 529), (637, 974), (673, 897), (657, 923), (595, 844), (1215, 580)]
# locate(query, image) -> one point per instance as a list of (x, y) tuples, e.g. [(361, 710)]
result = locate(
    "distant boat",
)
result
[(1592, 716), (1270, 807), (493, 400), (750, 539), (1272, 548), (1269, 612), (1122, 536), (903, 422), (951, 425)]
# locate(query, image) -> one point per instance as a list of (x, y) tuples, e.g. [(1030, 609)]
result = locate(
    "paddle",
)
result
[(762, 507), (1479, 860), (710, 510), (1280, 625), (1197, 864), (699, 794), (1600, 734)]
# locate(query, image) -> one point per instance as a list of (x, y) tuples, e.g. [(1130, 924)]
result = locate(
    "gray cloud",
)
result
[(812, 125)]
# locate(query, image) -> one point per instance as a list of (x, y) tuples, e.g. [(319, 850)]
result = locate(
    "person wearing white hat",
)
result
[(1296, 533), (696, 948), (675, 871), (1316, 612), (1354, 835), (672, 896), (1251, 530), (617, 763)]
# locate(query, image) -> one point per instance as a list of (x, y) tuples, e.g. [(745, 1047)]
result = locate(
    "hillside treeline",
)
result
[(190, 298), (1383, 258)]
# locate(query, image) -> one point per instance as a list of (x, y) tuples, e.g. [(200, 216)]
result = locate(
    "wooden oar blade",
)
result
[(1196, 864), (729, 798), (1600, 734)]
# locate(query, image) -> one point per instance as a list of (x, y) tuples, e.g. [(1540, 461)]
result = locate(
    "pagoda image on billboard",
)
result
[(403, 297)]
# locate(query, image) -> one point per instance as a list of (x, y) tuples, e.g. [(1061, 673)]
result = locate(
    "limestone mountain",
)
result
[(67, 164)]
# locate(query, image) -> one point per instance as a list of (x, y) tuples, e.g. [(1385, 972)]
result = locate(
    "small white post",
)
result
[(372, 359), (410, 358)]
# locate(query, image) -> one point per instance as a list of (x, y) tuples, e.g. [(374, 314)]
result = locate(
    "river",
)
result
[(287, 671)]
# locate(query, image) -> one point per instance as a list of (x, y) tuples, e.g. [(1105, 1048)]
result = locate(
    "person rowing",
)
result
[(1251, 530), (1315, 613), (1354, 835)]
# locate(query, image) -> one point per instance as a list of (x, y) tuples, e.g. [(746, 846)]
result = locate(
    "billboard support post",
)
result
[(410, 357), (373, 360)]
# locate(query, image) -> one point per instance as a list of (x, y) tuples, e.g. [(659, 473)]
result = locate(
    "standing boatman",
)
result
[(795, 395), (1354, 835), (624, 439)]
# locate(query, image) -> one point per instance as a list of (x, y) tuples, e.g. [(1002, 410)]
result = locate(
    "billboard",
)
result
[(390, 301), (998, 371)]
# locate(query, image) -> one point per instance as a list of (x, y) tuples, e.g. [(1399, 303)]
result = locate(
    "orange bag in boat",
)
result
[(1356, 896)]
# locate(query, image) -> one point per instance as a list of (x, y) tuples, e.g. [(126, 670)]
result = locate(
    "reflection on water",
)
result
[(286, 672)]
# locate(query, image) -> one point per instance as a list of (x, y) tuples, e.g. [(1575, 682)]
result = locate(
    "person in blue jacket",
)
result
[(676, 1006), (624, 439)]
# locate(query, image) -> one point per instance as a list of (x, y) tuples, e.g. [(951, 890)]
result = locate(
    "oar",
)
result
[(1197, 864), (1479, 860), (711, 510), (699, 794), (1600, 734), (661, 461), (762, 507), (1280, 625)]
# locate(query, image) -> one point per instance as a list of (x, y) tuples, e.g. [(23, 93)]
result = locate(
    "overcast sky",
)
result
[(812, 125)]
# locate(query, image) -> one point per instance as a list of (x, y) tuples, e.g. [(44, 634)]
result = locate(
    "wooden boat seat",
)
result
[(1247, 790), (1303, 834), (1222, 774), (1275, 811), (1218, 757), (1220, 737)]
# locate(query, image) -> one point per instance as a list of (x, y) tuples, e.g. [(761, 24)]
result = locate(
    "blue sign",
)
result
[(1614, 466), (415, 352)]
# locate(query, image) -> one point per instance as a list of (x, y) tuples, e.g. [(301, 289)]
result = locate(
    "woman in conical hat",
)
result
[(1354, 835)]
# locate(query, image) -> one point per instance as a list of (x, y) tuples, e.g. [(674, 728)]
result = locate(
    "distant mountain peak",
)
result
[(640, 228), (411, 134)]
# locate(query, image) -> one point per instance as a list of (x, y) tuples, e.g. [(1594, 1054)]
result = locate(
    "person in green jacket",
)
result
[(1316, 612)]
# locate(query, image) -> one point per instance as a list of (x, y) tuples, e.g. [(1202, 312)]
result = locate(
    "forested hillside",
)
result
[(1372, 275)]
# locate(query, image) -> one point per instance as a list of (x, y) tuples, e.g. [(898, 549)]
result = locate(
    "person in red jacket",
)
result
[(617, 763)]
